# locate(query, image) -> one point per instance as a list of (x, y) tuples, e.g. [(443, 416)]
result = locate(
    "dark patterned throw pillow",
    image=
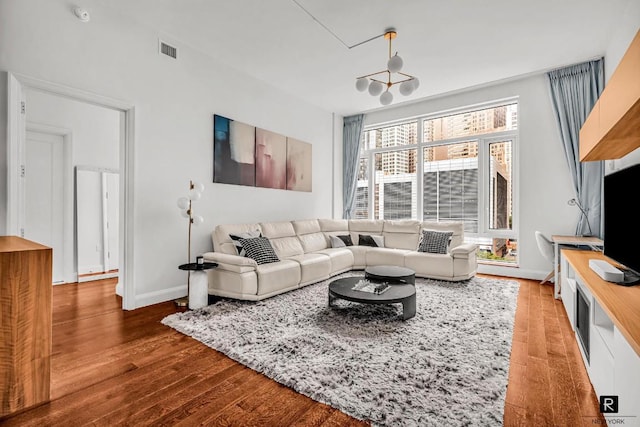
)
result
[(341, 241), (435, 242), (371, 240), (236, 240), (259, 249)]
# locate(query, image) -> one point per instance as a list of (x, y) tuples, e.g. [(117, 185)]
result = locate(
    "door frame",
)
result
[(68, 246), (16, 129)]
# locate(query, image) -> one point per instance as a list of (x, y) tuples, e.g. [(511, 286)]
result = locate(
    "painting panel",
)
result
[(299, 163), (233, 152), (271, 159)]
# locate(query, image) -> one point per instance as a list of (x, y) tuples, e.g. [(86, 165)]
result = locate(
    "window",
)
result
[(362, 190), (394, 180), (456, 167)]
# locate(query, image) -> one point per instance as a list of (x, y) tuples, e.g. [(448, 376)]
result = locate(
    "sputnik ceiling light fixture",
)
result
[(376, 82)]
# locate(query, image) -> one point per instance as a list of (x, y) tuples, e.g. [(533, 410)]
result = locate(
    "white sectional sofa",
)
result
[(306, 256)]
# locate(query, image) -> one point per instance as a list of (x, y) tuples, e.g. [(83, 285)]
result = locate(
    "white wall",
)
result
[(174, 106), (95, 131), (543, 182)]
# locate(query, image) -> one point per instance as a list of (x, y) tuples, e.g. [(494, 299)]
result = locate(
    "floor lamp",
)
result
[(583, 214), (186, 207)]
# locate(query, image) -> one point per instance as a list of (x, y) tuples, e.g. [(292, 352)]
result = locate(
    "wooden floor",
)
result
[(112, 367)]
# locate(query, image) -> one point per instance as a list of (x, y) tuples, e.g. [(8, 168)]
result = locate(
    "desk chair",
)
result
[(546, 249)]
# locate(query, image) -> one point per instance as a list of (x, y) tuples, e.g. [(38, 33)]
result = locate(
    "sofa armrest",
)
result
[(463, 250), (236, 263)]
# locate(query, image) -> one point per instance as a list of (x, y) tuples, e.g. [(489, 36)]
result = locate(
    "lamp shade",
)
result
[(386, 98), (198, 186), (197, 220), (416, 83), (375, 88), (183, 203), (394, 64), (362, 83), (406, 88), (194, 194)]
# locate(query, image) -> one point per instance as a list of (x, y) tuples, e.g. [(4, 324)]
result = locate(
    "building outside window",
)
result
[(455, 167)]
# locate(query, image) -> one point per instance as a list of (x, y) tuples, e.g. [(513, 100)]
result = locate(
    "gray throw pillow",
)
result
[(435, 242)]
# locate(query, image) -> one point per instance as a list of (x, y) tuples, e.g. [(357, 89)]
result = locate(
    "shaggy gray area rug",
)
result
[(446, 366)]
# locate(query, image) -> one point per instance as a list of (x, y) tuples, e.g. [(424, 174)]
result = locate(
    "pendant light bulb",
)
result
[(362, 84), (395, 63), (386, 98), (375, 88), (406, 88)]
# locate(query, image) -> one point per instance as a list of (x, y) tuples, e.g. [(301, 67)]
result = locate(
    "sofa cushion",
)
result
[(341, 241), (341, 259), (259, 249), (402, 234), (286, 247), (438, 266), (333, 224), (278, 276), (313, 242), (274, 230), (385, 256), (365, 226), (435, 242), (313, 267), (221, 240), (359, 255), (401, 226), (307, 226), (371, 240)]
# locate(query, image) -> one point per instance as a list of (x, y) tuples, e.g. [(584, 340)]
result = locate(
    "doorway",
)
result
[(16, 141), (97, 201), (45, 196)]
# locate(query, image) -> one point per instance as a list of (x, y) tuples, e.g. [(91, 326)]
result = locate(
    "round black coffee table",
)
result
[(390, 273), (397, 293)]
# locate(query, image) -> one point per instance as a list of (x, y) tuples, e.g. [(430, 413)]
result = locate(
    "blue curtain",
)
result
[(351, 134), (574, 91)]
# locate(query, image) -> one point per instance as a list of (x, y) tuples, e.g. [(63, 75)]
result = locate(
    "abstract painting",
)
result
[(234, 147), (299, 171), (271, 159)]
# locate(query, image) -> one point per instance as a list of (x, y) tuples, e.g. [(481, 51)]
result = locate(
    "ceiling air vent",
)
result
[(168, 50)]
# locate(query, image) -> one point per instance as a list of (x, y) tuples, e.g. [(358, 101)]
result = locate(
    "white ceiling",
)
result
[(448, 45)]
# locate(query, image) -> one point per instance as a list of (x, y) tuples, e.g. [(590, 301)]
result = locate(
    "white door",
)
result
[(44, 195), (112, 181)]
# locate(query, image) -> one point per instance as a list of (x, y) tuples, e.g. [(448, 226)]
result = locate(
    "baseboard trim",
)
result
[(155, 297), (519, 273), (92, 277)]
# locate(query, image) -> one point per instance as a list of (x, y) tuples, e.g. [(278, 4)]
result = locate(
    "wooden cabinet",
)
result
[(25, 323), (612, 129), (614, 332)]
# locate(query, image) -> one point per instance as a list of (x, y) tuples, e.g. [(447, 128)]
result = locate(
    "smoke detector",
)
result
[(82, 14)]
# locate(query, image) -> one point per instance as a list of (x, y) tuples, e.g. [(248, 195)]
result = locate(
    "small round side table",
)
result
[(197, 285)]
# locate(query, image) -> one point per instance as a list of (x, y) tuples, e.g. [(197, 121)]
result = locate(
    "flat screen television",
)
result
[(621, 221)]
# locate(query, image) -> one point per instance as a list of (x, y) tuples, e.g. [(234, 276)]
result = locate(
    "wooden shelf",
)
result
[(620, 303), (612, 129)]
